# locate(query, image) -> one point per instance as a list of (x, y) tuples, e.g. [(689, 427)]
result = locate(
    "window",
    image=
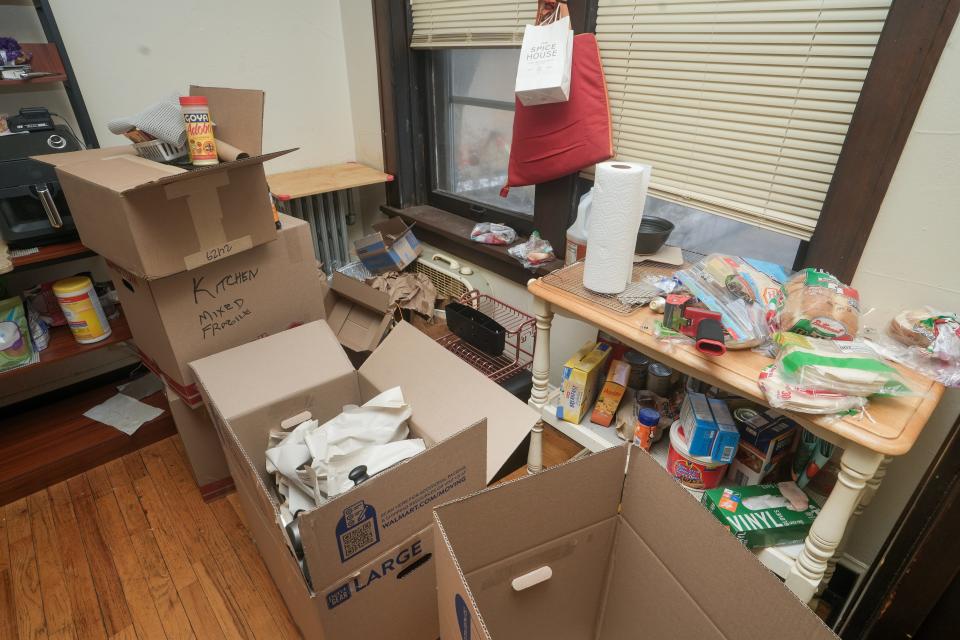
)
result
[(472, 127)]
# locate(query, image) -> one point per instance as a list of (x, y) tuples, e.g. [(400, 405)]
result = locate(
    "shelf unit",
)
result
[(63, 346), (52, 56), (53, 253)]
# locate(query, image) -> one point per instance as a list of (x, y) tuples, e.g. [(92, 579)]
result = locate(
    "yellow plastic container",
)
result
[(81, 306)]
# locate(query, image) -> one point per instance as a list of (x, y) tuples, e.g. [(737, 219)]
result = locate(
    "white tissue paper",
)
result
[(312, 462), (619, 194)]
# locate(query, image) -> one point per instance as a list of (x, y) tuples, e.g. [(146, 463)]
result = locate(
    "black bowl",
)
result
[(653, 234)]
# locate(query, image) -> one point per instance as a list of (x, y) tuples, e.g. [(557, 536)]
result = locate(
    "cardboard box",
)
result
[(391, 247), (358, 314), (767, 432), (246, 296), (358, 544), (759, 516), (699, 430), (728, 437), (748, 469), (579, 381), (200, 441), (658, 568), (154, 219)]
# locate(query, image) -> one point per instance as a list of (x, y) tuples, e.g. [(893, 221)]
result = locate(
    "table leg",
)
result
[(873, 484), (857, 466), (541, 381)]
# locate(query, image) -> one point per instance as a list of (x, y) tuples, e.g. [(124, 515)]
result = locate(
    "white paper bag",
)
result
[(543, 75)]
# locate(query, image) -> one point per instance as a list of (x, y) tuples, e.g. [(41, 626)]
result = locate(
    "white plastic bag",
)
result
[(543, 74)]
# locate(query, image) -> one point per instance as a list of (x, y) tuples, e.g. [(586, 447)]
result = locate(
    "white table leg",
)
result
[(873, 484), (857, 466), (541, 381)]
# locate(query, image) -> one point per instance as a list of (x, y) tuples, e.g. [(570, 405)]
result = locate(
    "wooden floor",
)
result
[(129, 549)]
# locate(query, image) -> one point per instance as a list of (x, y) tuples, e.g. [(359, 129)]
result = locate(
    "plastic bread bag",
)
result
[(790, 397), (743, 310), (851, 368), (926, 340), (492, 233), (820, 306), (533, 252)]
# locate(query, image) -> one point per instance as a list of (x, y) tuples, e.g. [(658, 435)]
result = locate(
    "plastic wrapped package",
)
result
[(851, 368), (746, 299), (533, 252), (791, 397), (820, 306), (492, 233), (926, 340)]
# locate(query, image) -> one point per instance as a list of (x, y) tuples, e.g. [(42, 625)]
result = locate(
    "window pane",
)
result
[(474, 126), (705, 233)]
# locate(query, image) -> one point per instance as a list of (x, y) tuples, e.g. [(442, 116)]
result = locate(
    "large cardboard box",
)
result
[(201, 444), (369, 551), (155, 219), (562, 555), (246, 296)]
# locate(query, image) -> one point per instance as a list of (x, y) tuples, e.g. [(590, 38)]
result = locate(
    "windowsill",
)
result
[(450, 232)]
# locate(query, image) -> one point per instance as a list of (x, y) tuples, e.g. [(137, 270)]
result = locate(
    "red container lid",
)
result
[(193, 101)]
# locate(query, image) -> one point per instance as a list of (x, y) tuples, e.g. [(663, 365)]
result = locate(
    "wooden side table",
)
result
[(889, 428)]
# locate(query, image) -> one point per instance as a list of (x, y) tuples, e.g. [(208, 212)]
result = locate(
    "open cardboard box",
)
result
[(359, 314), (561, 555), (246, 296), (391, 247), (154, 219), (369, 551), (200, 442)]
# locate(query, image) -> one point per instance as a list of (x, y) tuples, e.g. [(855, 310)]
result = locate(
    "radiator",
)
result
[(328, 215)]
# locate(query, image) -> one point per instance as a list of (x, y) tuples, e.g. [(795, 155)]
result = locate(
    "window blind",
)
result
[(740, 106), (470, 23)]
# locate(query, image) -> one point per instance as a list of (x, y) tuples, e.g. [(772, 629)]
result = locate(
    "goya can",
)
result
[(81, 306), (200, 141)]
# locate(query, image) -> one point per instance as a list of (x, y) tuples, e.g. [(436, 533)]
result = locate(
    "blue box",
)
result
[(768, 432), (699, 428), (728, 437)]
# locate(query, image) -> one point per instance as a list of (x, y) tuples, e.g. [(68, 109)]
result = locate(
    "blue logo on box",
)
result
[(338, 596), (357, 530), (463, 616)]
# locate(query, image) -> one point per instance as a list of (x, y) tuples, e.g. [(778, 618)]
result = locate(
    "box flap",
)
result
[(121, 172), (391, 229), (358, 329), (164, 178), (356, 527), (261, 372), (710, 565), (446, 393), (539, 508), (62, 159), (237, 115), (361, 293)]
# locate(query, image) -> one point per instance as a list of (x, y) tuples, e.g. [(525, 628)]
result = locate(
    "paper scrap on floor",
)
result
[(123, 413), (142, 387)]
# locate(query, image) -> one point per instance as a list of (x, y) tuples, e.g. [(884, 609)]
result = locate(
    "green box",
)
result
[(771, 522)]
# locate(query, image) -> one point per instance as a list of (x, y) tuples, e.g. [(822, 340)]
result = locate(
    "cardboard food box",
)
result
[(768, 432), (579, 380), (728, 437), (154, 219), (200, 442), (699, 429), (552, 556), (369, 551), (611, 393), (246, 296), (748, 467), (391, 247), (359, 314), (759, 515)]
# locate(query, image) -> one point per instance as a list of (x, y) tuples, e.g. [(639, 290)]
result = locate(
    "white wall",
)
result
[(911, 260), (127, 54)]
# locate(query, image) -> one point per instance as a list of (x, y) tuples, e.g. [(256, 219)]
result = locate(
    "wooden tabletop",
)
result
[(890, 427), (333, 177)]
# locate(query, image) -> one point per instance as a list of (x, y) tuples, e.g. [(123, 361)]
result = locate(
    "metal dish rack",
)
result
[(517, 353)]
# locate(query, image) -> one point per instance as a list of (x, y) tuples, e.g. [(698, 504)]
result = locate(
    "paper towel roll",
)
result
[(619, 193)]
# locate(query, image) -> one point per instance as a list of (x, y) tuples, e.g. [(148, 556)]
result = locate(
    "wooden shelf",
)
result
[(45, 58), (53, 253), (63, 346), (891, 425), (333, 177), (43, 446)]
